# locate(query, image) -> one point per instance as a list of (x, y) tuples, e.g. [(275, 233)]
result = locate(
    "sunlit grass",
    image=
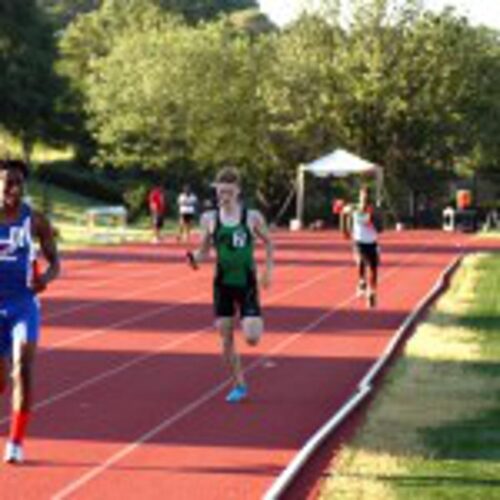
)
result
[(433, 430), (67, 212), (42, 153)]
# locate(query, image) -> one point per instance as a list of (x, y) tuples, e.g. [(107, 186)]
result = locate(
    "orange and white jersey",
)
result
[(363, 229)]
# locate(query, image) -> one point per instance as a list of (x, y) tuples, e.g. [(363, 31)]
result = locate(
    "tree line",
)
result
[(181, 87)]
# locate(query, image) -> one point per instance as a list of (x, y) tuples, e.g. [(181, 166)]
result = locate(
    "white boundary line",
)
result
[(116, 299), (364, 388), (84, 305), (140, 317), (62, 291), (439, 286), (194, 405), (119, 324), (161, 349), (186, 410)]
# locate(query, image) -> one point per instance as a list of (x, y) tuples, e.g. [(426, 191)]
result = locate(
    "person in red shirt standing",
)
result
[(157, 209)]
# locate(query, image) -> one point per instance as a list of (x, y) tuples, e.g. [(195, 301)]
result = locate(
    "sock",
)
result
[(18, 426)]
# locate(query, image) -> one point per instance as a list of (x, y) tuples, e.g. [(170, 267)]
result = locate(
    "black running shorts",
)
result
[(230, 299), (368, 253)]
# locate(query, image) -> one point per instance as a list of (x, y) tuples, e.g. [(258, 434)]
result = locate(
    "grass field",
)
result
[(433, 431), (67, 212), (11, 147)]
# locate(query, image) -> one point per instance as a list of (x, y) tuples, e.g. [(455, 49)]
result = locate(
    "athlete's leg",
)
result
[(253, 327), (361, 267), (187, 228), (4, 354), (180, 231), (23, 357), (24, 334), (373, 281), (4, 372), (252, 323), (373, 276), (154, 229), (231, 356), (22, 376), (361, 270)]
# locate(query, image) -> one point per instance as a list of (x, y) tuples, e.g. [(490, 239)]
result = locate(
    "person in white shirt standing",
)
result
[(187, 203), (364, 233)]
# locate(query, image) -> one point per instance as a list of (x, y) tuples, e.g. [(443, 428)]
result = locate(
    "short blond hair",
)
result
[(228, 175)]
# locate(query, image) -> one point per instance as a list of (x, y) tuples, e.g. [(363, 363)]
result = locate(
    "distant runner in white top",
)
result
[(364, 233), (187, 203)]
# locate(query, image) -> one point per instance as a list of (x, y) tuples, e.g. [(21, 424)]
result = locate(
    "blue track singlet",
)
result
[(17, 254), (19, 309)]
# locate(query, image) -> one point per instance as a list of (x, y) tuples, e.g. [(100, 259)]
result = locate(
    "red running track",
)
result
[(130, 383)]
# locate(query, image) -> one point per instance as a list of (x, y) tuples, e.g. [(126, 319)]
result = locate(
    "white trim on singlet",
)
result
[(209, 220), (187, 203), (363, 230)]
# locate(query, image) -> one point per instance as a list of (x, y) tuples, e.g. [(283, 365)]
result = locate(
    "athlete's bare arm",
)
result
[(44, 234), (203, 251), (346, 224), (261, 230)]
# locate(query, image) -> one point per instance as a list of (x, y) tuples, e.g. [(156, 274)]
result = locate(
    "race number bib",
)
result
[(16, 240), (18, 237), (240, 239)]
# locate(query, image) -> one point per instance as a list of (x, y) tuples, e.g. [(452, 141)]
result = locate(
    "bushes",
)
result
[(107, 187), (83, 180), (135, 197)]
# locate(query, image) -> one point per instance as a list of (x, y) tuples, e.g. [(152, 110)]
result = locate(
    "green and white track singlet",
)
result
[(234, 246)]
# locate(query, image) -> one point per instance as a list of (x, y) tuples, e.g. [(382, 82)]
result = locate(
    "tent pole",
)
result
[(300, 195), (380, 185)]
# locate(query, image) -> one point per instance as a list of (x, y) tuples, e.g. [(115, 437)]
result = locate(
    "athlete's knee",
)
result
[(253, 328), (22, 365), (22, 376), (3, 373), (226, 327), (22, 383)]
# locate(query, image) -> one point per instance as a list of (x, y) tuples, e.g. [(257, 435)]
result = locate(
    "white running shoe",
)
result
[(13, 453), (361, 288)]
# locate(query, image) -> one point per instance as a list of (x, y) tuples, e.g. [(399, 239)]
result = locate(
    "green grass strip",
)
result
[(67, 210), (433, 431)]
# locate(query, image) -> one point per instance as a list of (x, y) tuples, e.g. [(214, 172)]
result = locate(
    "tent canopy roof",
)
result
[(339, 163)]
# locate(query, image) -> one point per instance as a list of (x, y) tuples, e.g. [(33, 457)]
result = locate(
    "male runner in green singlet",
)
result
[(231, 229)]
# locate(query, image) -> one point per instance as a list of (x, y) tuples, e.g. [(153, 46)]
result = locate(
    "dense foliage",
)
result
[(181, 87)]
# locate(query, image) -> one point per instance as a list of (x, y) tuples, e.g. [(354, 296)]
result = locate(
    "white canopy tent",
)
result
[(340, 163)]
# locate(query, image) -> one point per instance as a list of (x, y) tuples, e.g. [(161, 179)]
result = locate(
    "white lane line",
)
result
[(207, 396), (62, 291), (159, 350), (284, 480), (116, 299), (123, 322), (132, 319)]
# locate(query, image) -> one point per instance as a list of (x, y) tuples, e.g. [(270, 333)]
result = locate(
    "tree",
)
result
[(28, 83), (414, 91), (203, 10), (399, 85), (182, 92), (194, 11), (65, 11)]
